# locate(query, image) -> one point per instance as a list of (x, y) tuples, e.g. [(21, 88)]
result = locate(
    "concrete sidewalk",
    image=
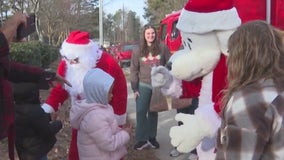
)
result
[(165, 122)]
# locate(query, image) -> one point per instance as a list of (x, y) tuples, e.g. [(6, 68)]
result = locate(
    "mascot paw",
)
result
[(161, 77), (188, 136)]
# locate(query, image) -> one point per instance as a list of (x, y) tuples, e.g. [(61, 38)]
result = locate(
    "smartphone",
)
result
[(23, 31)]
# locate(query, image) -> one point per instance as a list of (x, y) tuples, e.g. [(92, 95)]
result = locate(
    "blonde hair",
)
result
[(255, 52)]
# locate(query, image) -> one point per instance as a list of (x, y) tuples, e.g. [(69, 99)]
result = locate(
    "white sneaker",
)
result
[(174, 153), (192, 156)]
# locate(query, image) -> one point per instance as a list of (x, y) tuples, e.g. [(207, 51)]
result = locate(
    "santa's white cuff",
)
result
[(121, 119), (47, 108)]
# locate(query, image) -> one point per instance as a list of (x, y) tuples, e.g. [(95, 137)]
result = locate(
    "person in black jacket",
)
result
[(35, 132)]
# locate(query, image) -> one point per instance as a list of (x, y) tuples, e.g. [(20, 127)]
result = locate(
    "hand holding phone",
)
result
[(23, 31)]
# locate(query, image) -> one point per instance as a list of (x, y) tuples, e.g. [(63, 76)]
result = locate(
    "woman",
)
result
[(151, 53), (252, 120)]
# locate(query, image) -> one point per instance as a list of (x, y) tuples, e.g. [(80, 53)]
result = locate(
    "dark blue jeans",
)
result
[(146, 121)]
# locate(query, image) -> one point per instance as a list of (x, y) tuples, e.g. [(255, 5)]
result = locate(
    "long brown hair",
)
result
[(154, 48), (255, 52)]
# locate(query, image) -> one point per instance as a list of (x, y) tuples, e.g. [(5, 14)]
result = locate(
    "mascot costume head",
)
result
[(205, 27)]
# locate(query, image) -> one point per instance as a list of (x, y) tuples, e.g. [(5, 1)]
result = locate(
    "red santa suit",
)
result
[(79, 55)]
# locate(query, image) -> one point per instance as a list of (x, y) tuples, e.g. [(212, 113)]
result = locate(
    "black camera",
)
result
[(23, 31)]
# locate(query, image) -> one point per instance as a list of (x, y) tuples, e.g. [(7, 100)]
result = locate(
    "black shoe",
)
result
[(141, 145), (153, 143)]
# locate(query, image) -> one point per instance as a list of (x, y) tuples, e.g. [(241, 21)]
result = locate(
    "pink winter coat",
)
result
[(99, 137)]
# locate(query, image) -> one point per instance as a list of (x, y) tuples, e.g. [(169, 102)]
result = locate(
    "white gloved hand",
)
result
[(188, 136), (203, 124), (161, 77)]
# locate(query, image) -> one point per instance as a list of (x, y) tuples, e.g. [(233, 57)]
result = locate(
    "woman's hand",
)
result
[(136, 95)]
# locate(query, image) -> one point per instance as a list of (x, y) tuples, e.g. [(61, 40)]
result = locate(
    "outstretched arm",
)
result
[(58, 94)]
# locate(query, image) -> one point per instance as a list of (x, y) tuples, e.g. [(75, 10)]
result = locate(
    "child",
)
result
[(99, 136), (35, 134), (252, 120)]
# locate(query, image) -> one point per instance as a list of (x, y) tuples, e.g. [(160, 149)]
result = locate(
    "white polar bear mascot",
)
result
[(205, 27)]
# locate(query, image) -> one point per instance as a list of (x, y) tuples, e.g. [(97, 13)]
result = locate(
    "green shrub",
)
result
[(33, 53)]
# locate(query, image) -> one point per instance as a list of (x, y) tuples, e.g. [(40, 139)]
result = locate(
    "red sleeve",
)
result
[(220, 82), (58, 94), (119, 100), (191, 89)]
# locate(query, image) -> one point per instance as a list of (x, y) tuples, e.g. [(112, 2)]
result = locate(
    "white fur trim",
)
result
[(175, 89), (72, 51), (121, 119), (47, 108), (195, 22)]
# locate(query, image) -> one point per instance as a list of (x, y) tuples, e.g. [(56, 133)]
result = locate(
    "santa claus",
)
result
[(205, 27), (80, 54)]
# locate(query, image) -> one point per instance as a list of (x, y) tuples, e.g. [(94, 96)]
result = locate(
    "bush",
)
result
[(33, 53)]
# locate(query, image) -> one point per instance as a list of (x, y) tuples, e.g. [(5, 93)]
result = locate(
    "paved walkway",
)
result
[(165, 122)]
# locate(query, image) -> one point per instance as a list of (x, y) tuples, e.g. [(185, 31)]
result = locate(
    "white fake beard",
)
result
[(75, 74)]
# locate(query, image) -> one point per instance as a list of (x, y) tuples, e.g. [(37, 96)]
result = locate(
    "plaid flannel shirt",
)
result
[(252, 123)]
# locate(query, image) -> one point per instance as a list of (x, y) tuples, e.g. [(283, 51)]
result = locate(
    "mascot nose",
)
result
[(169, 66)]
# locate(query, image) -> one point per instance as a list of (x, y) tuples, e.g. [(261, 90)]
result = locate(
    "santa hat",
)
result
[(77, 44), (202, 16)]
